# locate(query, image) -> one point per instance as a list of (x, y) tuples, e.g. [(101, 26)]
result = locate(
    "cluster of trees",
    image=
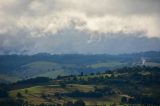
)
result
[(133, 75), (4, 90), (13, 102), (105, 90), (140, 100), (30, 82), (3, 93), (20, 102), (78, 93), (97, 93), (76, 103), (130, 81), (69, 103)]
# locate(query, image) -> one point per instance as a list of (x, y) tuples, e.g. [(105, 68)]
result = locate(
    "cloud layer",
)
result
[(32, 25)]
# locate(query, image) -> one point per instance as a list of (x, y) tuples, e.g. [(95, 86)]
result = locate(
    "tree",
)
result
[(75, 78), (79, 103), (81, 74), (42, 104), (63, 85), (59, 77), (43, 96), (123, 100), (92, 74), (26, 91), (68, 104), (3, 93), (112, 75), (12, 102), (19, 95)]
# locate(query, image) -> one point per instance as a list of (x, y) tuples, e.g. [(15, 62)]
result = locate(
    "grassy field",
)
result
[(44, 69), (93, 76), (152, 64), (35, 94), (110, 64), (138, 85), (8, 78)]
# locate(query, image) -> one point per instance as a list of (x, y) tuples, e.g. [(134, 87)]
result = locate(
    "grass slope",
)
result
[(42, 68), (35, 94)]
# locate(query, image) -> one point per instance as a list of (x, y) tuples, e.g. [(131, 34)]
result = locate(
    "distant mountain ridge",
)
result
[(47, 65)]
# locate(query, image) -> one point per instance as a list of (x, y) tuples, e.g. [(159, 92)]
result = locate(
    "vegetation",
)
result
[(125, 86), (19, 67)]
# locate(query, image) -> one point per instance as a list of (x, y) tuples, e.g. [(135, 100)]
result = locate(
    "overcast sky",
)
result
[(79, 26)]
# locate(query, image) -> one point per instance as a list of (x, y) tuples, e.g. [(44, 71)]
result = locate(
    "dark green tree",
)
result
[(79, 103)]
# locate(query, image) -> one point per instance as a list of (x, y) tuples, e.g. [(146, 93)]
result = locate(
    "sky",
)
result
[(79, 26)]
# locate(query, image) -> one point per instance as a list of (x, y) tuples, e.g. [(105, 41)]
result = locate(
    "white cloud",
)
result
[(42, 18)]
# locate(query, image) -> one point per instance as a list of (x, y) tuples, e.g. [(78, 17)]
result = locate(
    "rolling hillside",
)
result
[(125, 86), (44, 69), (17, 67)]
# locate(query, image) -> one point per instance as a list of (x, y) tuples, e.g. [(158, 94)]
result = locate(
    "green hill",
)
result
[(126, 86), (15, 67), (44, 69)]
